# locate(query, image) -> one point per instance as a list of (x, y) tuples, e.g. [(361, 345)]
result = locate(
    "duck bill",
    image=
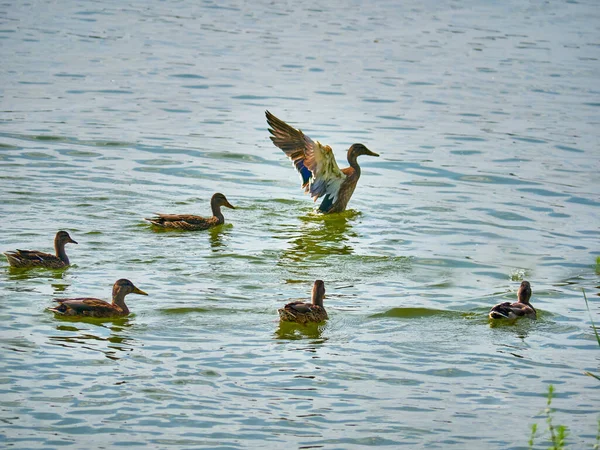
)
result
[(370, 153), (73, 241), (229, 205), (139, 291)]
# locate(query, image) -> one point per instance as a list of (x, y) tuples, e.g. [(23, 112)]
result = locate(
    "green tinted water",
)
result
[(485, 117)]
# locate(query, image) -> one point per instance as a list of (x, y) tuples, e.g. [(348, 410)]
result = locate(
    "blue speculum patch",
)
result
[(304, 172)]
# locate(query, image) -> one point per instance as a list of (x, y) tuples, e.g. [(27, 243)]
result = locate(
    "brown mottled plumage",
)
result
[(34, 258), (321, 176), (191, 222), (521, 308), (303, 313), (94, 307)]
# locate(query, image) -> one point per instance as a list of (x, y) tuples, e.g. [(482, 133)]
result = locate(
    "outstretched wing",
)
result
[(327, 178), (315, 162), (293, 143)]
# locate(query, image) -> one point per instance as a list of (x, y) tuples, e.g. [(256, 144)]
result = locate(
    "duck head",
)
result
[(62, 238), (220, 200), (123, 287), (318, 293), (356, 150), (524, 292)]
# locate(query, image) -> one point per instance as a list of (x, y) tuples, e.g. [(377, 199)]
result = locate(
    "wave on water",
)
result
[(413, 313)]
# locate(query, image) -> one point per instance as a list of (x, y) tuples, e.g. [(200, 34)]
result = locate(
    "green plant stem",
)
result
[(590, 313), (532, 437)]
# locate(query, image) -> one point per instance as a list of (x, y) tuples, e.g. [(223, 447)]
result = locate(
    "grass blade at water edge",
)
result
[(590, 313)]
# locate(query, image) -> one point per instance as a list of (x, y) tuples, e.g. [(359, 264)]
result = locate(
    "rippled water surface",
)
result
[(486, 116)]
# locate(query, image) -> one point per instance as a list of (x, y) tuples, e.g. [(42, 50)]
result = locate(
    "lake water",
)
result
[(487, 119)]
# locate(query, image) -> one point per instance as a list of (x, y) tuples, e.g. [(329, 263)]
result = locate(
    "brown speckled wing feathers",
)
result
[(183, 221), (302, 313), (292, 141), (86, 307), (28, 258)]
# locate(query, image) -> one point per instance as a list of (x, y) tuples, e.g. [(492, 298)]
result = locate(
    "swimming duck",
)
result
[(303, 313), (192, 223), (521, 308), (316, 164), (94, 307), (34, 258)]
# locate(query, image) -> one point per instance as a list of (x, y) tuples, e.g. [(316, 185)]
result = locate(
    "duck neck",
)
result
[(216, 210), (317, 297), (59, 247), (352, 160), (118, 299), (524, 296)]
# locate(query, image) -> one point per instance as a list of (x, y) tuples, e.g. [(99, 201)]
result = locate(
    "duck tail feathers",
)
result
[(497, 315)]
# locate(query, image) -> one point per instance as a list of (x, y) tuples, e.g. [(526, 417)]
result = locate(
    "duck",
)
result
[(94, 307), (521, 308), (304, 313), (193, 223), (315, 162), (35, 258)]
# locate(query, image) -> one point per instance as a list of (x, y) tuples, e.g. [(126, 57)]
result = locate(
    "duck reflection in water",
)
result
[(294, 331), (111, 346), (520, 329), (55, 277), (320, 236), (218, 237)]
